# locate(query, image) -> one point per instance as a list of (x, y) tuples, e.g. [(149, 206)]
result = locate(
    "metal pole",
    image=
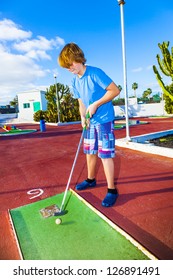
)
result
[(57, 99), (121, 4)]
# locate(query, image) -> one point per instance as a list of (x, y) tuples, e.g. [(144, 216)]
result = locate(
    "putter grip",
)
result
[(87, 117)]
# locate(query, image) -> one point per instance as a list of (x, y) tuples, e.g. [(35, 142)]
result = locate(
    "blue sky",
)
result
[(32, 33)]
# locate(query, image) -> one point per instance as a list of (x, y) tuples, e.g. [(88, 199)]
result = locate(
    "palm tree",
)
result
[(147, 92), (135, 87)]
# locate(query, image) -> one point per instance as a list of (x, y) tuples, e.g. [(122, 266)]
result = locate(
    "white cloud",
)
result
[(38, 54), (10, 31), (18, 72), (18, 66), (22, 59), (37, 48), (139, 69), (149, 67), (41, 43)]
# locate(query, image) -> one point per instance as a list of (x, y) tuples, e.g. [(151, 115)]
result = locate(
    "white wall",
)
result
[(30, 97), (7, 117), (141, 110), (43, 101)]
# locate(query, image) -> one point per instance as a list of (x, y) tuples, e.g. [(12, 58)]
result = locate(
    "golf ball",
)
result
[(58, 221)]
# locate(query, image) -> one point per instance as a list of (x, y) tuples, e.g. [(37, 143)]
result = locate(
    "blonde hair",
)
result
[(69, 54)]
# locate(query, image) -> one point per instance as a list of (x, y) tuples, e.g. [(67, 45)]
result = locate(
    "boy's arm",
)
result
[(111, 92), (82, 111)]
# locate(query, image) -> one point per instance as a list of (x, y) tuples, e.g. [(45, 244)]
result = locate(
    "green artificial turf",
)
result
[(17, 132), (131, 123), (82, 235), (119, 126)]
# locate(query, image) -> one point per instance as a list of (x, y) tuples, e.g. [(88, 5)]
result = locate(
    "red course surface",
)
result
[(43, 161)]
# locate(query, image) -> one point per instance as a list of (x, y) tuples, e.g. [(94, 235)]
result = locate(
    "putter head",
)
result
[(60, 212), (49, 211)]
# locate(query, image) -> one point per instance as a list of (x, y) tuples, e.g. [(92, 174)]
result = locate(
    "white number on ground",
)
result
[(35, 193)]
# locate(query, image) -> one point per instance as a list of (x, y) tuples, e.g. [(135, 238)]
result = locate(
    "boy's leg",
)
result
[(108, 165), (90, 149), (112, 194), (91, 165), (107, 153)]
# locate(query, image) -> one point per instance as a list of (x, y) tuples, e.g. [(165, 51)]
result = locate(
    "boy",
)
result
[(94, 91)]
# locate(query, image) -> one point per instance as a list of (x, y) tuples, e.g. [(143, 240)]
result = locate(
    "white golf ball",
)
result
[(58, 221)]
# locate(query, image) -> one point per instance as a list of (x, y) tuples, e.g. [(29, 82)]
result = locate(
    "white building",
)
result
[(30, 102)]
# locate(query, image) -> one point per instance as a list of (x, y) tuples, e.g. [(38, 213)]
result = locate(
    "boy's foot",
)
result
[(109, 199), (85, 184)]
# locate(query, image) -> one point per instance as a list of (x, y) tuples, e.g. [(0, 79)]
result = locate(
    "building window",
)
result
[(26, 105)]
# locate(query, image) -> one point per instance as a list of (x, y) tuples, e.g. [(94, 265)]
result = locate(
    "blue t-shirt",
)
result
[(91, 87)]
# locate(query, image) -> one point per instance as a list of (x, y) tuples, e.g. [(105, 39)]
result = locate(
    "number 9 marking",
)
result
[(37, 193)]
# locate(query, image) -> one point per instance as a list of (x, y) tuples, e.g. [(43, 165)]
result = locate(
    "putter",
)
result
[(62, 211), (53, 210)]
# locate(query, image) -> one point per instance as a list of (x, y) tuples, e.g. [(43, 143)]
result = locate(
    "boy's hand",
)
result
[(85, 121), (91, 109)]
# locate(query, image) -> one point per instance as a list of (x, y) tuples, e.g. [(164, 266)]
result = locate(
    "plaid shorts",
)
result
[(100, 139)]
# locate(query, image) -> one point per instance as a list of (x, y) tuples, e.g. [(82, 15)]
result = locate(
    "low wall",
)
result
[(135, 110), (7, 117), (142, 110)]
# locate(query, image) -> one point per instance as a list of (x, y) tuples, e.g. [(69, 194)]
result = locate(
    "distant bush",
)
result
[(40, 115)]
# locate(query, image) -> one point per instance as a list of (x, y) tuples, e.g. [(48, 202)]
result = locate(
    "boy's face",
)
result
[(76, 68)]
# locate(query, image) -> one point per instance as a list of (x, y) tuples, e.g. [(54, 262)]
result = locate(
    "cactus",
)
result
[(62, 90), (166, 66)]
